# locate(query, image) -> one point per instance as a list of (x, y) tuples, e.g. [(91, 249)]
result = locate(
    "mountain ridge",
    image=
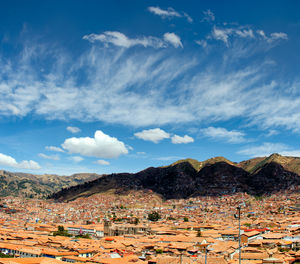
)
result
[(38, 186), (189, 177), (182, 176)]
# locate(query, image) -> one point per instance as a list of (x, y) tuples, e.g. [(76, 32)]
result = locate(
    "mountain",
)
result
[(289, 163), (39, 186), (190, 178)]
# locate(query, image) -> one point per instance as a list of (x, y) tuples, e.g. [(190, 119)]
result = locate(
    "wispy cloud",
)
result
[(268, 148), (202, 43), (169, 13), (119, 39), (51, 157), (153, 89), (225, 33), (53, 148), (273, 36), (220, 133), (6, 160), (189, 18), (76, 159), (73, 129), (169, 158), (173, 39), (208, 16), (102, 162)]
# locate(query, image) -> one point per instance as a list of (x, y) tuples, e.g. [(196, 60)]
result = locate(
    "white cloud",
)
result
[(245, 33), (169, 158), (268, 148), (221, 133), (155, 135), (51, 157), (209, 16), (188, 18), (9, 161), (170, 12), (221, 34), (278, 35), (102, 162), (182, 140), (76, 159), (291, 153), (142, 89), (273, 36), (202, 43), (173, 39), (119, 39), (73, 129), (272, 132), (102, 146), (53, 148), (261, 33)]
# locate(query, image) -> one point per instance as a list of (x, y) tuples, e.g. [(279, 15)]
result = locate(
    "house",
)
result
[(230, 234), (246, 237), (124, 229), (93, 231)]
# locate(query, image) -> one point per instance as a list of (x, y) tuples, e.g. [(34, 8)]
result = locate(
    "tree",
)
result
[(61, 232), (136, 221), (185, 219), (199, 234), (154, 216)]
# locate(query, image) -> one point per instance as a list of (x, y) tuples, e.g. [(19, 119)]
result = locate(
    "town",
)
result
[(140, 227)]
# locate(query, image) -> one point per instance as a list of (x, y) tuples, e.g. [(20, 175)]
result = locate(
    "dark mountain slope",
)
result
[(271, 177), (187, 178)]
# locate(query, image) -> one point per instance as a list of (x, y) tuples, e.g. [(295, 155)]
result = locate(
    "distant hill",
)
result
[(190, 178), (38, 186)]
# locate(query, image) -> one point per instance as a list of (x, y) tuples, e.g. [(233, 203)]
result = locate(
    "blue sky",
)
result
[(115, 86)]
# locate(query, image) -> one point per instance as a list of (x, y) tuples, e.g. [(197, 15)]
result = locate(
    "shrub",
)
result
[(154, 216), (159, 251)]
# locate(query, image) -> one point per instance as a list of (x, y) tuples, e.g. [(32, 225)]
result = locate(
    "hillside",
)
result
[(189, 178), (39, 186), (289, 163)]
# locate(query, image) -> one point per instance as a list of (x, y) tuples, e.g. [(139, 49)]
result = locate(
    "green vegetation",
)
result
[(199, 234), (83, 236), (247, 224), (284, 249), (2, 255), (185, 219), (195, 163), (154, 216), (159, 251), (136, 221), (61, 232), (258, 197)]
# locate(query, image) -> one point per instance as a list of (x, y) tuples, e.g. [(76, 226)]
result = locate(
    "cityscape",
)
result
[(149, 132)]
